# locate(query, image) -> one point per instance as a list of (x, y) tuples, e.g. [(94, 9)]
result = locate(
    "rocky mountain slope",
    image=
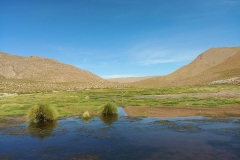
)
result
[(213, 65)]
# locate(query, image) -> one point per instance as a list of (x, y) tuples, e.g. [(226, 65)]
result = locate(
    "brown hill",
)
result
[(128, 79), (226, 70), (214, 64), (42, 69)]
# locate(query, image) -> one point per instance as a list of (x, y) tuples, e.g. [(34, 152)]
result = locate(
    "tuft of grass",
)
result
[(108, 109), (87, 98), (42, 113), (86, 115)]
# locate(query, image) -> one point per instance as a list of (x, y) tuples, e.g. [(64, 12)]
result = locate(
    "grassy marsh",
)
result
[(75, 102)]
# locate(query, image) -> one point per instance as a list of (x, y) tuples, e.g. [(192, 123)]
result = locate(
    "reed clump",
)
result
[(108, 109), (42, 113), (86, 115)]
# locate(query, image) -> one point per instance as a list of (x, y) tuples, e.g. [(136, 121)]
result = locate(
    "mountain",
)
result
[(128, 79), (35, 74), (31, 74), (42, 69), (213, 65)]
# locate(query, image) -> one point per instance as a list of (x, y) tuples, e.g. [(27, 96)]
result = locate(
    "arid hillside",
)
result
[(42, 69), (128, 79), (216, 64), (31, 74)]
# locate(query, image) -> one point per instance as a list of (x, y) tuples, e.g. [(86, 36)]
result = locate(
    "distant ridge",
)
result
[(30, 74), (128, 79), (212, 65), (42, 69)]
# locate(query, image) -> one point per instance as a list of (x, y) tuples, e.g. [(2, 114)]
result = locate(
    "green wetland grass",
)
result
[(77, 102)]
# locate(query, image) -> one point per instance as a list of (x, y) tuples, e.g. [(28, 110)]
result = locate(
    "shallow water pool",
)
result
[(123, 137)]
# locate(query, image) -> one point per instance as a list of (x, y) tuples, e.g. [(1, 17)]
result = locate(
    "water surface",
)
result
[(123, 137)]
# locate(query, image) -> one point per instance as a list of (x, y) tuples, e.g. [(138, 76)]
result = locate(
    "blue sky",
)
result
[(115, 38)]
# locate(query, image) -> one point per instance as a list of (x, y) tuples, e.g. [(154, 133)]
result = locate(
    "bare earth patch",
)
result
[(182, 112), (197, 95)]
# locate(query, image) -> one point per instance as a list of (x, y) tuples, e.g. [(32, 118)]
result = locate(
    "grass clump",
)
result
[(86, 115), (42, 113), (108, 109)]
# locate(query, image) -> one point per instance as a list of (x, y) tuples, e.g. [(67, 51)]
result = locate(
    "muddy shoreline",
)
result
[(233, 111), (11, 121)]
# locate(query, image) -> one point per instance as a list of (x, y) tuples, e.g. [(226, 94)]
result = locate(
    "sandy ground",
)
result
[(180, 112)]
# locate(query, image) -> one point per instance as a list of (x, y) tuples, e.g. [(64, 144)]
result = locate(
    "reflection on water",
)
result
[(42, 130), (86, 120), (108, 119), (128, 138)]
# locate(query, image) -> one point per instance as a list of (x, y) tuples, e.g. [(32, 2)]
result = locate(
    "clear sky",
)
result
[(119, 37)]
